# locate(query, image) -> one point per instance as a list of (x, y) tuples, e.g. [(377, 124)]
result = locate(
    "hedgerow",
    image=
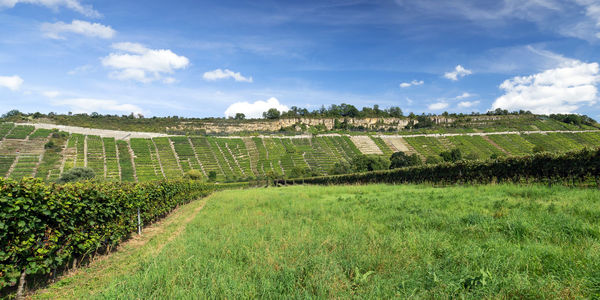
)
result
[(44, 227), (576, 166)]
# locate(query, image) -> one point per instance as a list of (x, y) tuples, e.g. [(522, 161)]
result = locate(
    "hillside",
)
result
[(125, 156)]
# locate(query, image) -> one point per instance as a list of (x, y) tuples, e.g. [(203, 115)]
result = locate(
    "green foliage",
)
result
[(400, 159), (361, 163), (538, 149), (543, 167), (240, 116), (432, 160), (212, 176), (76, 174), (194, 175), (49, 145), (453, 155), (272, 114), (43, 227)]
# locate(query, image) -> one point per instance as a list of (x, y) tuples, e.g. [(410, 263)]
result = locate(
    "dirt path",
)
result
[(485, 137)]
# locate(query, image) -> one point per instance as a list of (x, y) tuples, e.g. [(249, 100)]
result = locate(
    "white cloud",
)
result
[(54, 30), (224, 74), (89, 105), (414, 82), (437, 106), (463, 96), (136, 62), (51, 94), (560, 90), (256, 109), (169, 80), (13, 83), (468, 104), (80, 69), (458, 72), (74, 5)]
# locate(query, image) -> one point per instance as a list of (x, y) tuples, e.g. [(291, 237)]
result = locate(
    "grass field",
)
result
[(376, 241)]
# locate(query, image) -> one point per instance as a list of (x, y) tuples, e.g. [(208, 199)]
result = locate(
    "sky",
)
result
[(195, 58)]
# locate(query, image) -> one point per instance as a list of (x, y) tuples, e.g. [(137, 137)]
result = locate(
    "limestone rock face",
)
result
[(229, 126)]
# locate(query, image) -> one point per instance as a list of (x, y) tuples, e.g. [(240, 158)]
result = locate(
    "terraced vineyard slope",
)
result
[(45, 153)]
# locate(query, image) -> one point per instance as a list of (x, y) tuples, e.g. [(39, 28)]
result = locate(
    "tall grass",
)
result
[(378, 241)]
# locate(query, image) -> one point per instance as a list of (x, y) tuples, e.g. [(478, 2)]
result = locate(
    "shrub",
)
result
[(194, 175), (49, 145), (453, 155), (76, 174), (400, 159), (45, 226), (542, 167), (212, 176)]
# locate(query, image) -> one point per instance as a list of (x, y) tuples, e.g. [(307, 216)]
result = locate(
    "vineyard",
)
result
[(24, 152)]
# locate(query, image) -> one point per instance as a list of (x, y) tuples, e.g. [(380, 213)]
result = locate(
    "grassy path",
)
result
[(376, 241), (86, 282)]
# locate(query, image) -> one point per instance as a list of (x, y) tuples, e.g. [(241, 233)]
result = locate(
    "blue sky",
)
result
[(200, 59)]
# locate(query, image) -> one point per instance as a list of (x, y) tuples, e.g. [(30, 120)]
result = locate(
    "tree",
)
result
[(76, 174), (340, 168), (272, 114), (364, 163), (240, 116), (11, 113), (212, 176), (395, 112), (451, 155), (400, 159)]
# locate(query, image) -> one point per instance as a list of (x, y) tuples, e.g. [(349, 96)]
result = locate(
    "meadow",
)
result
[(369, 241)]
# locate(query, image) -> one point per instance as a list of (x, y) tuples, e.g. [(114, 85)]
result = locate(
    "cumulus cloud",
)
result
[(560, 90), (409, 84), (12, 83), (256, 109), (75, 5), (224, 74), (89, 105), (437, 106), (136, 62), (55, 30), (459, 72), (468, 104)]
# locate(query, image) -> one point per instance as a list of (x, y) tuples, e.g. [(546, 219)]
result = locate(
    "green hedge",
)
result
[(46, 226), (573, 166)]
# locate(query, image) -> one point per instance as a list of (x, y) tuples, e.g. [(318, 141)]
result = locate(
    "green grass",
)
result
[(20, 132), (377, 241)]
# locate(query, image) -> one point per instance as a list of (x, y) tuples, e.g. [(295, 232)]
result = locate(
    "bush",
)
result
[(194, 175), (45, 226), (542, 167), (49, 145), (76, 174), (453, 155), (361, 163), (400, 159), (212, 176)]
